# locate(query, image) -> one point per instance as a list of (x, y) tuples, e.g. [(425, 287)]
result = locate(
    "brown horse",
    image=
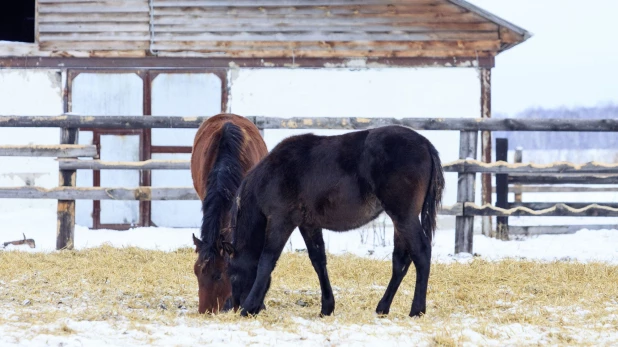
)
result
[(225, 148), (339, 183)]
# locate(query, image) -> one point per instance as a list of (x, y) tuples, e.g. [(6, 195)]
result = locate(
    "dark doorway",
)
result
[(17, 21)]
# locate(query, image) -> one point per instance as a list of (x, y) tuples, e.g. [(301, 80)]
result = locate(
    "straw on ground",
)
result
[(555, 300)]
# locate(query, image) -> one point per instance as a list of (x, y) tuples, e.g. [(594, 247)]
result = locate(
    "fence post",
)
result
[(66, 208), (486, 193), (502, 190), (464, 225), (518, 159)]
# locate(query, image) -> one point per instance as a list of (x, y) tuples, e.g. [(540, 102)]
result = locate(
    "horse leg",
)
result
[(401, 264), (411, 245), (315, 247), (277, 235), (419, 245)]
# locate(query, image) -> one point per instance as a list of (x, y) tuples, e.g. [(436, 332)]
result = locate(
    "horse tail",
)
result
[(223, 180), (433, 196)]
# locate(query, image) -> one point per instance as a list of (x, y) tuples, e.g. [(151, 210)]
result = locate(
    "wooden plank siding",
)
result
[(272, 29), (94, 25)]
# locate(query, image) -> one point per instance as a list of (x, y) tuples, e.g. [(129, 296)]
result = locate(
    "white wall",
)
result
[(285, 93), (28, 92), (396, 93)]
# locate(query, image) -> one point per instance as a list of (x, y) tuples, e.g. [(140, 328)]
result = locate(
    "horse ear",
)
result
[(228, 248), (198, 243)]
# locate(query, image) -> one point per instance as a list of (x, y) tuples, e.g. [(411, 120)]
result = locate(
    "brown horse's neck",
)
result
[(222, 183)]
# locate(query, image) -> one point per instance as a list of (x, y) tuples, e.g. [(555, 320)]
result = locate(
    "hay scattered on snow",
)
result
[(142, 286)]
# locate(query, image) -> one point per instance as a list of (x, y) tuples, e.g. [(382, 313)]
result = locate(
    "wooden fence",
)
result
[(68, 152), (551, 178)]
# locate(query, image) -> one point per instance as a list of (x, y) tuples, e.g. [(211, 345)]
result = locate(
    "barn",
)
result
[(199, 57)]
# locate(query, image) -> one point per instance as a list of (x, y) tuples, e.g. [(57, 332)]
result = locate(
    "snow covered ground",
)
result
[(585, 245)]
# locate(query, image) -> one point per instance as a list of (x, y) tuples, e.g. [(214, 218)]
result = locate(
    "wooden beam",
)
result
[(485, 76), (563, 179), (151, 164), (503, 167), (65, 233), (559, 210), (135, 59), (459, 124), (560, 189), (315, 36), (546, 205), (132, 194), (452, 210), (274, 3), (464, 225), (59, 151), (100, 193)]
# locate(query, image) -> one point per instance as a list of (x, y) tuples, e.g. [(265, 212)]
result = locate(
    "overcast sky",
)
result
[(571, 60)]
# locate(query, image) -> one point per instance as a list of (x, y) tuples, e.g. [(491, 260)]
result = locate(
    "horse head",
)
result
[(210, 268)]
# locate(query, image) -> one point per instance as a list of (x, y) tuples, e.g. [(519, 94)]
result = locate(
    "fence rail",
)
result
[(559, 189), (152, 164), (462, 166), (563, 179), (502, 167), (58, 151), (100, 193), (459, 124), (557, 210)]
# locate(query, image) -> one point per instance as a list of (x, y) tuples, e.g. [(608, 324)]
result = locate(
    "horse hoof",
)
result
[(382, 311), (416, 314), (246, 312)]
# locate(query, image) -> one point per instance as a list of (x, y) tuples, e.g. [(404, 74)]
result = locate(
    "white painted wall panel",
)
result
[(110, 94), (186, 214), (183, 94), (84, 208), (180, 94), (119, 148), (394, 93), (29, 92)]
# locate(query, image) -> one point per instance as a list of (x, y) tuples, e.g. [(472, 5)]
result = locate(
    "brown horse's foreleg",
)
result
[(401, 264), (277, 234), (315, 247)]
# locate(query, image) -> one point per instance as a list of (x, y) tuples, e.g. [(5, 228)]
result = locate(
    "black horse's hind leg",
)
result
[(315, 247), (277, 236), (401, 264), (420, 246), (411, 245)]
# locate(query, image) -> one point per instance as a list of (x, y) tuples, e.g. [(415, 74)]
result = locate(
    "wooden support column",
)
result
[(502, 190), (66, 208), (464, 226), (518, 159), (486, 147)]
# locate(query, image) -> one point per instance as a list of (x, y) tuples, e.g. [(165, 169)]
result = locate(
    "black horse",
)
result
[(338, 183)]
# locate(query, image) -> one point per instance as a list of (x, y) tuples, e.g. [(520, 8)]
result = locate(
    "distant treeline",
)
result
[(562, 140)]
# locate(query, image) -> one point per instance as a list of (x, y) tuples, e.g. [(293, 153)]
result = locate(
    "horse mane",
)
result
[(222, 183)]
